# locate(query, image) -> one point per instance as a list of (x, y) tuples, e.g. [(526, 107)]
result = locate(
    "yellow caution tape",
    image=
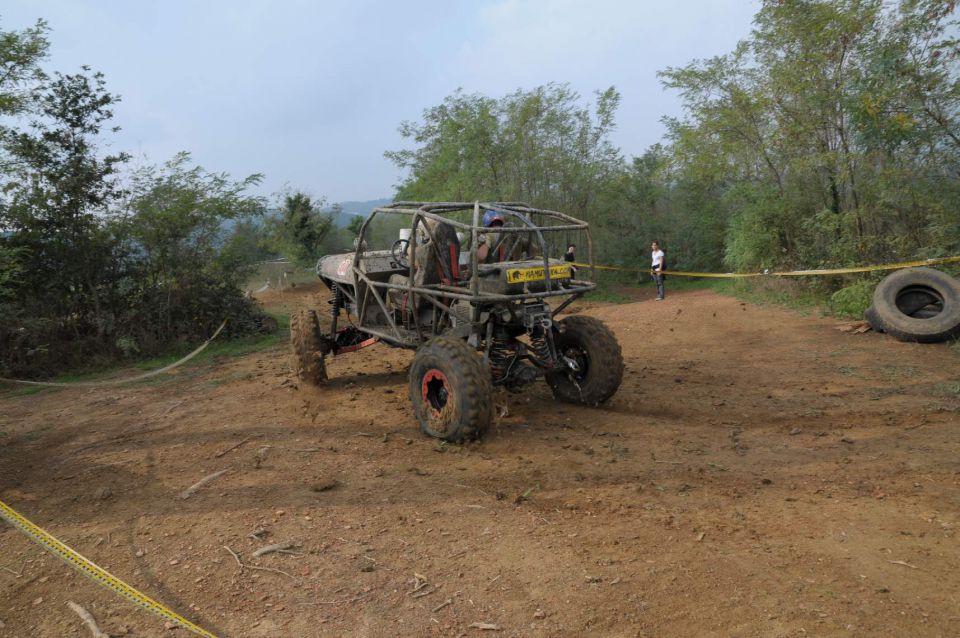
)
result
[(903, 264), (791, 273), (92, 571)]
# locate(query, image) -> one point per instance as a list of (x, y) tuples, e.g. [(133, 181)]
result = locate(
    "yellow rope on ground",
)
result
[(93, 571)]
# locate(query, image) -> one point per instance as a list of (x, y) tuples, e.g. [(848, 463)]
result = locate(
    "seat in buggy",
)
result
[(436, 260)]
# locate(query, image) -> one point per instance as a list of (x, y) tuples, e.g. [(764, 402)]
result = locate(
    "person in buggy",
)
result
[(495, 247)]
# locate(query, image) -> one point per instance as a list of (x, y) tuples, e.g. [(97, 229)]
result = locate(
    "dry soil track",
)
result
[(758, 474)]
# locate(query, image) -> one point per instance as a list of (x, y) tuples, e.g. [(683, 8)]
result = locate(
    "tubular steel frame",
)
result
[(438, 294)]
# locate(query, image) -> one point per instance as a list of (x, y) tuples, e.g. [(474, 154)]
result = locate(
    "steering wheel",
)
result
[(399, 252)]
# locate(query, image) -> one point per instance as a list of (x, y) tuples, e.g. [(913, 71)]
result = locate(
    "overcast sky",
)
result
[(310, 93)]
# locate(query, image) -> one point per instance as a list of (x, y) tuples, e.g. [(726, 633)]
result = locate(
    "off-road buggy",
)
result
[(474, 322)]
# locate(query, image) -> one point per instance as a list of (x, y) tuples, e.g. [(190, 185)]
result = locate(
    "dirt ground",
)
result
[(759, 473)]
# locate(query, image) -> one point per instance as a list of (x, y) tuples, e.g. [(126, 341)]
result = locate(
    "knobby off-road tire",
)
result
[(891, 294), (308, 358), (451, 390), (595, 348)]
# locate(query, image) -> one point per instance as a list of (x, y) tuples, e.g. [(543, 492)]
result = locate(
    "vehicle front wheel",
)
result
[(451, 390), (591, 363), (308, 357)]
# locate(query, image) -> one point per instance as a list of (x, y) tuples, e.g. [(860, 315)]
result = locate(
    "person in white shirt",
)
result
[(656, 268)]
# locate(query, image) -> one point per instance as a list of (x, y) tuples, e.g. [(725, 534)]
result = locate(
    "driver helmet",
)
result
[(490, 217)]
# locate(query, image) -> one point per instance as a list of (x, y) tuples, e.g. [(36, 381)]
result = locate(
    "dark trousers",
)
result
[(658, 279)]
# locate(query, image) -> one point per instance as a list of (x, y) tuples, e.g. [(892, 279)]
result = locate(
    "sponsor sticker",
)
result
[(521, 275)]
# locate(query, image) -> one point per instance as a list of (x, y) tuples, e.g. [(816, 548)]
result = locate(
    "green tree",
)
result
[(187, 274), (57, 185), (20, 55), (301, 228), (90, 270), (827, 137), (538, 145), (353, 226)]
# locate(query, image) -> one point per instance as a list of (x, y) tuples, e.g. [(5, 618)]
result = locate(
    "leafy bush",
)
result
[(94, 268), (850, 302)]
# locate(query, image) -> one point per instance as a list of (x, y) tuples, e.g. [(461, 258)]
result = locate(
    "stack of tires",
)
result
[(916, 304)]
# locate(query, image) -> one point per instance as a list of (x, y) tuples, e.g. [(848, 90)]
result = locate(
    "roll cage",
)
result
[(538, 224)]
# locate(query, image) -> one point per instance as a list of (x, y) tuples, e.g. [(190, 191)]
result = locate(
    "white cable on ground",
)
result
[(140, 377)]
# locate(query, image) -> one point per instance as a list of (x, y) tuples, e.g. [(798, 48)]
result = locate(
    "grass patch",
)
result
[(774, 291), (219, 349), (33, 435), (94, 374), (224, 347), (852, 301), (25, 391), (607, 296), (937, 406), (610, 284), (948, 390), (806, 295), (881, 393), (899, 372)]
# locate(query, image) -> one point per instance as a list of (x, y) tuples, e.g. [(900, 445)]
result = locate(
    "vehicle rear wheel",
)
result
[(308, 357), (592, 362), (914, 287), (451, 390)]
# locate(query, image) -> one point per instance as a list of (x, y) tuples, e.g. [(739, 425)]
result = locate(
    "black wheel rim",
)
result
[(579, 356)]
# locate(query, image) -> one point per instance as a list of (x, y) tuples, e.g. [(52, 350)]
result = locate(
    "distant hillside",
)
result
[(352, 209), (349, 210)]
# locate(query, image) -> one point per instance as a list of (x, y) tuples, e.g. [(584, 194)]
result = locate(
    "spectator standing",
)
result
[(570, 257), (656, 268)]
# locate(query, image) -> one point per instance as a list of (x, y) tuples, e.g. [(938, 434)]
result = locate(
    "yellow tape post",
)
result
[(792, 273), (92, 571)]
